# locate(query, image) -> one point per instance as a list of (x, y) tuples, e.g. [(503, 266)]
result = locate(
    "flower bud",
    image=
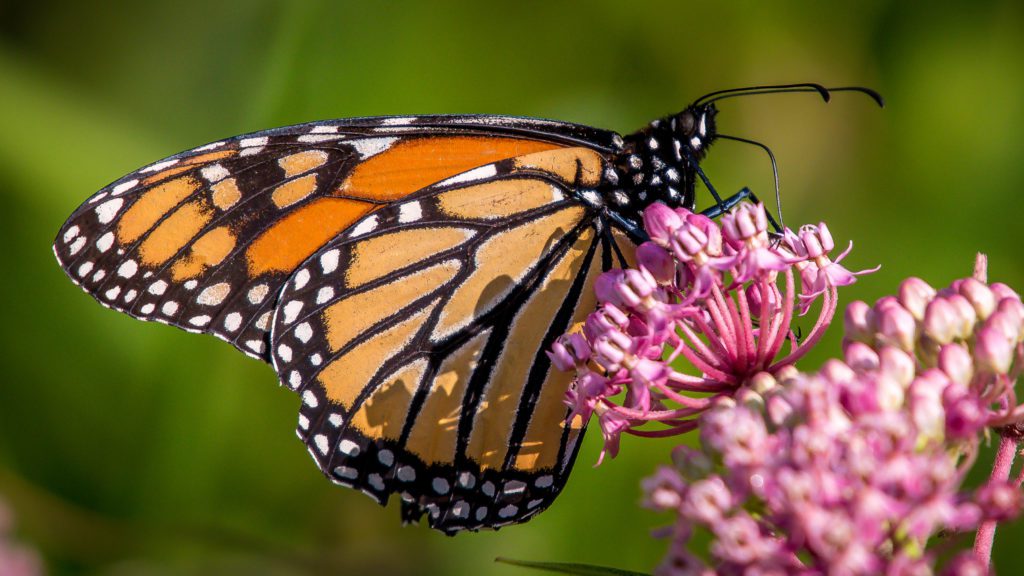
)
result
[(955, 361), (812, 242), (748, 223), (561, 357), (914, 295), (857, 322), (966, 315), (896, 326), (897, 365), (993, 352), (979, 295), (607, 317), (660, 222), (1002, 291), (1006, 323), (926, 403), (941, 323), (657, 261)]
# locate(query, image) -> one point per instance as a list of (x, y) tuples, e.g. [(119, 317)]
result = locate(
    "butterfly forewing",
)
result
[(397, 337), (204, 240)]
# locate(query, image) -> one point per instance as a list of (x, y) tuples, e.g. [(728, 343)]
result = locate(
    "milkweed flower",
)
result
[(720, 296), (852, 469)]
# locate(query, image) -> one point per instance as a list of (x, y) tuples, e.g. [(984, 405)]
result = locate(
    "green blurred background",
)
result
[(134, 448)]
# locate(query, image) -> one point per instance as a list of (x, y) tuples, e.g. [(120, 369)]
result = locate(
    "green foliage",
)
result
[(132, 448)]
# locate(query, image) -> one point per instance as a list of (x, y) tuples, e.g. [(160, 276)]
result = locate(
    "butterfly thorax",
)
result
[(658, 163)]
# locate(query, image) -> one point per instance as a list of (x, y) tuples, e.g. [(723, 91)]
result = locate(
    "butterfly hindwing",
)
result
[(203, 240), (416, 340)]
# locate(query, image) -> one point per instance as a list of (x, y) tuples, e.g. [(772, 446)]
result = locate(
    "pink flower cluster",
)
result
[(852, 469), (721, 297)]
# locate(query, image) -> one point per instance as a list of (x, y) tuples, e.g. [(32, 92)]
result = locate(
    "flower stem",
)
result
[(1000, 471)]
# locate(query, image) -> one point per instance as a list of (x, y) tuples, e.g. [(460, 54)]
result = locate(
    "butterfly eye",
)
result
[(686, 123)]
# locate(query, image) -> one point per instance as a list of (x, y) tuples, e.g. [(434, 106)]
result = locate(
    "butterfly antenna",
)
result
[(765, 89), (825, 93), (775, 171)]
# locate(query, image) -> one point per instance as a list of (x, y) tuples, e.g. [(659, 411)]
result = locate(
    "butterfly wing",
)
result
[(416, 340), (204, 240)]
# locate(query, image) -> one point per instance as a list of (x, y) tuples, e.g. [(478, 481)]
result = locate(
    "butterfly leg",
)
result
[(729, 203)]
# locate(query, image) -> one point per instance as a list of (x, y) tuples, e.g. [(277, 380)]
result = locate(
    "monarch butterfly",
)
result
[(404, 275)]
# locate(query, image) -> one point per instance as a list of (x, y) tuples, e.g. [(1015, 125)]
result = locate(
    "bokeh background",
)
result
[(134, 448)]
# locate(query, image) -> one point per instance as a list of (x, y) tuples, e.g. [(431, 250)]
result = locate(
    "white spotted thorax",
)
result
[(659, 162)]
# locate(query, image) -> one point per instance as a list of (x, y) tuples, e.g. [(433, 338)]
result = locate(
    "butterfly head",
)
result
[(694, 130)]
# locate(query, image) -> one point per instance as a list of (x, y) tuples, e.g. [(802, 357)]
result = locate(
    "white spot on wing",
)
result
[(367, 147), (85, 268), (70, 234), (284, 352), (365, 227), (128, 269), (256, 346), (321, 443), (209, 147), (349, 447), (301, 278), (112, 293), (291, 311), (124, 187), (322, 129), (309, 399), (105, 212), (398, 121), (258, 293), (324, 295), (315, 138), (232, 321), (169, 308), (410, 212), (405, 474), (159, 166), (252, 146), (508, 511), (199, 320), (103, 244), (329, 261), (158, 288), (440, 485), (79, 242), (263, 322), (215, 173), (304, 332), (250, 142), (471, 175)]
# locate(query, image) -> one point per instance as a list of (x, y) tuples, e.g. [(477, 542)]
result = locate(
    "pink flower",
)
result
[(718, 297), (855, 468)]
